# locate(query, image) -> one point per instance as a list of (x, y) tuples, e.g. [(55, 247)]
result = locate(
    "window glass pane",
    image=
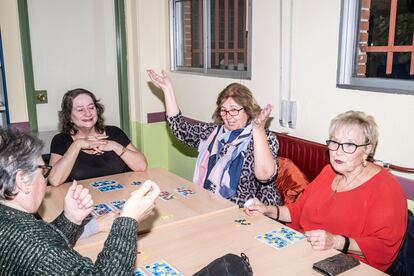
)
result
[(381, 56), (376, 66), (227, 41), (189, 33), (379, 18), (405, 23)]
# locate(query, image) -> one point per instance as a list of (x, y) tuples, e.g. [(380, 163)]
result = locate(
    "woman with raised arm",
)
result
[(237, 153)]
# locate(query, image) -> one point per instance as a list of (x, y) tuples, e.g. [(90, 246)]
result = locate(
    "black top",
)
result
[(33, 247), (91, 165)]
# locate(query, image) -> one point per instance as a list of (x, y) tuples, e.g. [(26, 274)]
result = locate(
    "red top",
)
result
[(373, 214)]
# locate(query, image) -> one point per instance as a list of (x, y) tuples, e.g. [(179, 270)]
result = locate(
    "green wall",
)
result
[(162, 149)]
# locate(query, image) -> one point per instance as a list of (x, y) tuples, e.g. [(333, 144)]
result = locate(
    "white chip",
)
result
[(248, 203)]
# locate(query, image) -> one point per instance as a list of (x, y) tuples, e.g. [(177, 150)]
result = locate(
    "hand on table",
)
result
[(254, 206), (142, 201), (78, 203), (320, 239)]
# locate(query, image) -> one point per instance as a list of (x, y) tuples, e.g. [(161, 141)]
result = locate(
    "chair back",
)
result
[(404, 263)]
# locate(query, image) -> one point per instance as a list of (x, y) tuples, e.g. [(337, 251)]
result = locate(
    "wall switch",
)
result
[(284, 113), (292, 114)]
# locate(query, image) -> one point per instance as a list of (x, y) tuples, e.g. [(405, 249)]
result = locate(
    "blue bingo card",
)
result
[(101, 209), (162, 268), (273, 240), (111, 187), (184, 191), (117, 204), (289, 234), (101, 183), (139, 272)]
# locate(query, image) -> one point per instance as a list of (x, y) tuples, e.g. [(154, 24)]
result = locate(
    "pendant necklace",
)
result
[(346, 185)]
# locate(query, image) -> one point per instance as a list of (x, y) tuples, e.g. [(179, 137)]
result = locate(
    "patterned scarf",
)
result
[(222, 172)]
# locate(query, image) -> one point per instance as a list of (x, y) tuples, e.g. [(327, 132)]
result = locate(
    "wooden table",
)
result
[(191, 244), (201, 229), (166, 212)]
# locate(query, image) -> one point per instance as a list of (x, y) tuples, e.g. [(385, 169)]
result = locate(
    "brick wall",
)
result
[(363, 37)]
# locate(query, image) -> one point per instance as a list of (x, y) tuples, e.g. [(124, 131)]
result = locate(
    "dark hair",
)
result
[(18, 152), (65, 121), (241, 95)]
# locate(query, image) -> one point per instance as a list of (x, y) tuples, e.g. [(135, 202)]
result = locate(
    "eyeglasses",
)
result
[(45, 170), (346, 147), (232, 112)]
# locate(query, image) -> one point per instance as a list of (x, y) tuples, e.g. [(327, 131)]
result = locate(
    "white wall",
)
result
[(9, 26), (314, 64), (73, 46), (147, 32)]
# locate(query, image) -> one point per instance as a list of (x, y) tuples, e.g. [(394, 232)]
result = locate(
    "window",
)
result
[(376, 50), (211, 37)]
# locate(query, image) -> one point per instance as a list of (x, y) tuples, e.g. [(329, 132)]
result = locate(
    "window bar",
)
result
[(412, 59), (226, 32), (216, 33), (200, 31), (391, 35), (236, 33), (245, 31)]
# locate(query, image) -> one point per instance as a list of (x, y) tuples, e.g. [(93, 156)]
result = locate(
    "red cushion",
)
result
[(291, 181)]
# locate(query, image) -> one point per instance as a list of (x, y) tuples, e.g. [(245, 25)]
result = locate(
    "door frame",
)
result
[(121, 55)]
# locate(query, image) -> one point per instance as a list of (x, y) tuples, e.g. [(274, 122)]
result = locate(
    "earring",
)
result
[(364, 163)]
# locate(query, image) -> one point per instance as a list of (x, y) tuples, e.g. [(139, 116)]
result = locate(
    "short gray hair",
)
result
[(359, 119), (18, 152)]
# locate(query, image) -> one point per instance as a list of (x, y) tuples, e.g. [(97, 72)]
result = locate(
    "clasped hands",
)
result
[(96, 144)]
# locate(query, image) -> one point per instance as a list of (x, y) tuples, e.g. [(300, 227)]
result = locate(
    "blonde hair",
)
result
[(241, 95), (359, 119)]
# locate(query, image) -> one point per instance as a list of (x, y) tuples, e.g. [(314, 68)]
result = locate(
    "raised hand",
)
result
[(142, 201), (260, 121), (78, 203), (163, 82), (160, 80)]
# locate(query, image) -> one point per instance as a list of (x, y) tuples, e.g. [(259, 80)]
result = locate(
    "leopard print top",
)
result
[(191, 133)]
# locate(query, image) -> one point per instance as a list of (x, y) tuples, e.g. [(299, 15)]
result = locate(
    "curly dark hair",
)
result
[(65, 122), (241, 95)]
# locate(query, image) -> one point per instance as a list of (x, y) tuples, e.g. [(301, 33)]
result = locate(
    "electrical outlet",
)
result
[(41, 96)]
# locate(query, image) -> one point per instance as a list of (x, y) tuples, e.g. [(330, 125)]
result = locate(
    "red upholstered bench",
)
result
[(300, 161)]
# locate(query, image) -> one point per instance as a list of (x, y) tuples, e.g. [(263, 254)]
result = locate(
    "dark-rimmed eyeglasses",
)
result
[(232, 112), (346, 147), (45, 170)]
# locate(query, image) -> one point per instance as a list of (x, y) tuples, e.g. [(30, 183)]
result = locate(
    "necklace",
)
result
[(352, 181)]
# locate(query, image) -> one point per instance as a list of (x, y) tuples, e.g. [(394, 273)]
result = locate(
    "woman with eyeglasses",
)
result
[(353, 206), (237, 153), (29, 246)]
